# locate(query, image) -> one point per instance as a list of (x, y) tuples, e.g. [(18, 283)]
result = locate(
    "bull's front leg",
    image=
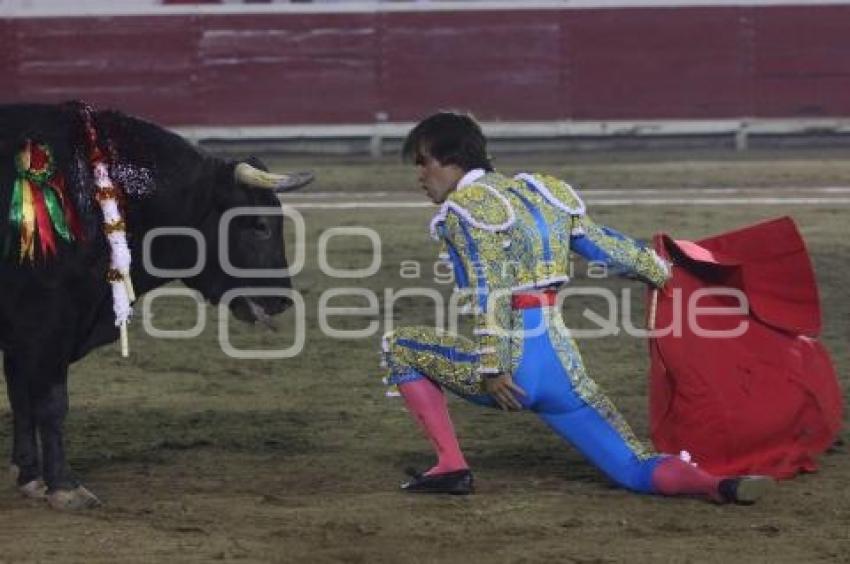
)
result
[(25, 460), (39, 387), (50, 405)]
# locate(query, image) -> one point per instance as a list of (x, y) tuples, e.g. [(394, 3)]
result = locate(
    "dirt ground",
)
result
[(202, 457)]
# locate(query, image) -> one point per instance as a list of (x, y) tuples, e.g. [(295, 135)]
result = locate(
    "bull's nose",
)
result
[(275, 305), (285, 304)]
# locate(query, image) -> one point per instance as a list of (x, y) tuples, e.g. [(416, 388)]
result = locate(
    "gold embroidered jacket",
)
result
[(504, 235)]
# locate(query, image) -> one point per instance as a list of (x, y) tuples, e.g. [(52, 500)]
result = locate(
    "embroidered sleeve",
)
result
[(624, 255), (479, 255)]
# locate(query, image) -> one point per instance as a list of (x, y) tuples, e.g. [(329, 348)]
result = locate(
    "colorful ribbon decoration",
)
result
[(40, 208), (109, 196)]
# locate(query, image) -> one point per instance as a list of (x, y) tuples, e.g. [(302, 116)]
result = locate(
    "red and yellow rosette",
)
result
[(40, 209)]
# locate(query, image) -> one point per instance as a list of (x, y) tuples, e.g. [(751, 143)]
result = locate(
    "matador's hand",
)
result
[(503, 390)]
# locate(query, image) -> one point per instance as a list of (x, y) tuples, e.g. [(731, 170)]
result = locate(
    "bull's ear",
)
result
[(255, 177)]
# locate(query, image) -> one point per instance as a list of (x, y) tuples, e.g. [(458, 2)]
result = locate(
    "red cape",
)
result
[(767, 401)]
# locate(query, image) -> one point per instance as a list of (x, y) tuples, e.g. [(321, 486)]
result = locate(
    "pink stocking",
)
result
[(427, 404), (673, 476)]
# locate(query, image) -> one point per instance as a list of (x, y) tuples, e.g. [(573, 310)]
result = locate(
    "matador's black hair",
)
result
[(451, 138)]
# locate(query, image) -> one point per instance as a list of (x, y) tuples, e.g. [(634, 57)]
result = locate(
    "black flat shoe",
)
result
[(454, 483), (744, 490)]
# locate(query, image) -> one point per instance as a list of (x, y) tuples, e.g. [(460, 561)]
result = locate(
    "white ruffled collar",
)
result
[(470, 177)]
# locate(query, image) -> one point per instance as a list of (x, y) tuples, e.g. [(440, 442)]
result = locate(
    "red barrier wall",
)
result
[(524, 65), (801, 61), (669, 64)]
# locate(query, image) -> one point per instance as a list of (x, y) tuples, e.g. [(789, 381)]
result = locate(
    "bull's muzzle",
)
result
[(259, 310)]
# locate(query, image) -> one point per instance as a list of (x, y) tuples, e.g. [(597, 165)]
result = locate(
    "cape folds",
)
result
[(767, 401)]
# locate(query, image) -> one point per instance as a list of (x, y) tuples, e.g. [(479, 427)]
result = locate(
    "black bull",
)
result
[(55, 309)]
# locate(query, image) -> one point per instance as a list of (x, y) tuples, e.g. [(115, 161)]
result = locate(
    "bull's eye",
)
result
[(262, 230)]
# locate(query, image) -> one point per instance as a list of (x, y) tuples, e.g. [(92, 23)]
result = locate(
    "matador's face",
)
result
[(435, 178)]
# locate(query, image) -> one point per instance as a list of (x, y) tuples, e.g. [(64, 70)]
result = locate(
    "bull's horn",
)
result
[(257, 178)]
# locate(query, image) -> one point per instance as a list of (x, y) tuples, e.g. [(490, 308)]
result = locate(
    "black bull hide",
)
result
[(55, 309)]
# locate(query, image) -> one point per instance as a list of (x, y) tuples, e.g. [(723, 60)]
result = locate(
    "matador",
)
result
[(509, 241)]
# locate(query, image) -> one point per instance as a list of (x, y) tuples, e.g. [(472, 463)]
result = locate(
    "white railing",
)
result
[(69, 8), (378, 134)]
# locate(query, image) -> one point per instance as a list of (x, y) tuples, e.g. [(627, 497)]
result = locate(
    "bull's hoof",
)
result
[(73, 500), (35, 489)]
